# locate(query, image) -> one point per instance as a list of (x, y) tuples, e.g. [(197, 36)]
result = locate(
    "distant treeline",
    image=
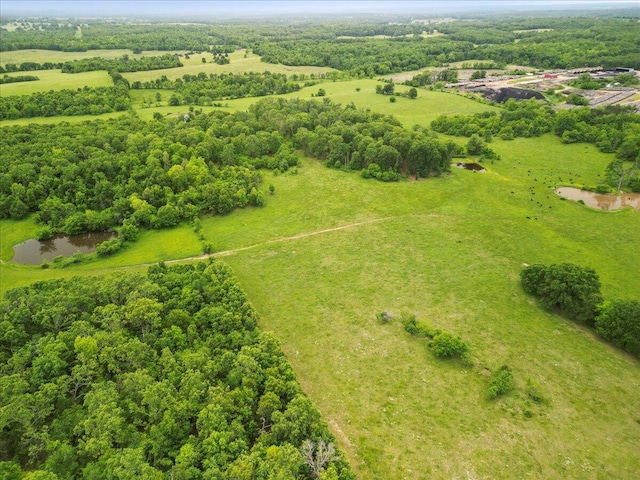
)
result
[(17, 79), (123, 64), (371, 48), (83, 101)]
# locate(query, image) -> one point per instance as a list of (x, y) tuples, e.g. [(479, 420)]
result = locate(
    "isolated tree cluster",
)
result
[(574, 291)]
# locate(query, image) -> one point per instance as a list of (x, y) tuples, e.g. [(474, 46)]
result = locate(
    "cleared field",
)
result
[(239, 63), (55, 80), (450, 251)]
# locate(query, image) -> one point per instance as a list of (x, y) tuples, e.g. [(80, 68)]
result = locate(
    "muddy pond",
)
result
[(603, 201), (474, 167), (34, 252)]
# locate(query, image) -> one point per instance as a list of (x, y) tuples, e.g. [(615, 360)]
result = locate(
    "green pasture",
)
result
[(55, 80), (238, 63)]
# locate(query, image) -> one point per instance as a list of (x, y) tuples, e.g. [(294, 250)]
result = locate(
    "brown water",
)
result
[(603, 201), (34, 252)]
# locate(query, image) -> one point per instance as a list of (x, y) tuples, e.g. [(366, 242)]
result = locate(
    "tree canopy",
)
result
[(163, 375)]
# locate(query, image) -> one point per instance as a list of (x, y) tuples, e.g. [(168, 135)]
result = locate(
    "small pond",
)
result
[(603, 201), (474, 167), (34, 252)]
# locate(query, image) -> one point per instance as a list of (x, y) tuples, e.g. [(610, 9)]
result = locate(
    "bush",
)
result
[(619, 322), (384, 317), (414, 327), (572, 289), (445, 345), (109, 247), (501, 382), (45, 233), (533, 391)]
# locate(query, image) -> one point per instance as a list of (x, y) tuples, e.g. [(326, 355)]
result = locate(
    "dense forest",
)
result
[(163, 375), (66, 102)]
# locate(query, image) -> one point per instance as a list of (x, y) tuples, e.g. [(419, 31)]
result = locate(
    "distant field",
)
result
[(238, 64), (70, 119), (55, 80), (42, 56), (419, 111)]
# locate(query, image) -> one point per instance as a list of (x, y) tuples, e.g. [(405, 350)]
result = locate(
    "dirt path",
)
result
[(226, 253)]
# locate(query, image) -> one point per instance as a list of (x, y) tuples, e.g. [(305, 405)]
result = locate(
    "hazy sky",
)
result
[(240, 8)]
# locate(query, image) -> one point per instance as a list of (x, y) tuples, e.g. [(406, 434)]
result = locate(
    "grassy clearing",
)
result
[(420, 111), (55, 80), (451, 253), (238, 64), (151, 247)]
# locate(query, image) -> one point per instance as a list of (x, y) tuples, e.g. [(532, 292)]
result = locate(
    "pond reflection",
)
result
[(34, 252), (603, 201)]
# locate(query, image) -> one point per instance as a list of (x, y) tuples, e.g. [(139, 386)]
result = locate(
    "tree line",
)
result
[(574, 291), (18, 79), (66, 102), (156, 375), (203, 89), (123, 64)]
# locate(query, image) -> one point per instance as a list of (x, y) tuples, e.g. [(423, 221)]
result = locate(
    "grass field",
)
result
[(41, 56), (330, 250), (238, 64), (55, 80)]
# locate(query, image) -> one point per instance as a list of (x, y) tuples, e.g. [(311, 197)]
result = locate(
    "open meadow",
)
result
[(329, 250)]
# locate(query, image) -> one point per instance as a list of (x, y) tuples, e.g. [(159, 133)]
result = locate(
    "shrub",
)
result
[(109, 247), (533, 391), (572, 289), (409, 323), (501, 382), (45, 233), (445, 345), (619, 322), (384, 317)]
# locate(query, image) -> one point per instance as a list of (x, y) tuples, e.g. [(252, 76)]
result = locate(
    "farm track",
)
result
[(226, 253)]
